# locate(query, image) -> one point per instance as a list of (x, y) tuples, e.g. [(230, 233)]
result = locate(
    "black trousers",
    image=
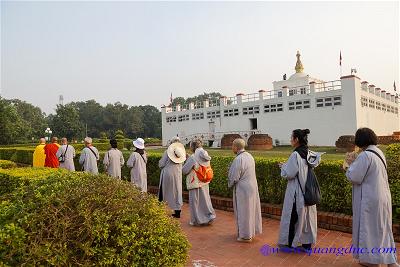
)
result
[(292, 230)]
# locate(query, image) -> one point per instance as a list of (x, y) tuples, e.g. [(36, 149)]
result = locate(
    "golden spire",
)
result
[(299, 66)]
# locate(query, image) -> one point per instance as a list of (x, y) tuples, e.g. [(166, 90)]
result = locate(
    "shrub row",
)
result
[(58, 218), (336, 189), (7, 164)]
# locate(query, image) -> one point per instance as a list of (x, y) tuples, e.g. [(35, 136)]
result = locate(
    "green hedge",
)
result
[(393, 164), (336, 189), (71, 219), (7, 164)]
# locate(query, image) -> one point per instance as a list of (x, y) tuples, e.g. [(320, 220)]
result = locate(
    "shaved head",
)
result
[(238, 145), (42, 140)]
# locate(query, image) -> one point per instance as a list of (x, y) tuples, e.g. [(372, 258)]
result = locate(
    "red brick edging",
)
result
[(326, 220)]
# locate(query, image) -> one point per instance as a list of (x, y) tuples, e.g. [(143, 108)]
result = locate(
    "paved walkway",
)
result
[(216, 245)]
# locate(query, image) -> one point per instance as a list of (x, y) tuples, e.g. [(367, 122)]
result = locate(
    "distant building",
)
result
[(329, 109)]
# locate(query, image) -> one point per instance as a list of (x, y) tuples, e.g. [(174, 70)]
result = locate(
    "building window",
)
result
[(183, 117), (396, 110), (337, 101), (371, 103), (364, 101), (280, 93), (273, 107), (383, 107), (251, 110), (301, 104), (303, 91), (378, 105), (231, 112), (328, 101), (213, 114), (292, 92), (197, 116), (171, 119)]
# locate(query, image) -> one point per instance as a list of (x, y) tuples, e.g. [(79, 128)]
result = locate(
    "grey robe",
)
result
[(201, 209), (88, 160), (138, 171), (171, 182), (69, 157), (113, 161), (372, 207), (306, 226), (246, 200)]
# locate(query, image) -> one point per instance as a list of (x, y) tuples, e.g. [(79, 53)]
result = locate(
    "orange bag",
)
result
[(204, 174)]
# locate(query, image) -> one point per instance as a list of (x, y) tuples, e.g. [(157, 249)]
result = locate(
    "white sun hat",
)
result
[(139, 143), (176, 152)]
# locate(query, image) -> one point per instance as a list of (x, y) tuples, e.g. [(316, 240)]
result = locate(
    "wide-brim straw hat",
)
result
[(176, 152), (139, 143), (201, 156)]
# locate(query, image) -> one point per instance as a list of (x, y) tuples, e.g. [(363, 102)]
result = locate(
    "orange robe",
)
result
[(51, 159)]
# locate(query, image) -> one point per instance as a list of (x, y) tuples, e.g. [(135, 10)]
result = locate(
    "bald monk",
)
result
[(38, 155), (51, 150), (246, 200)]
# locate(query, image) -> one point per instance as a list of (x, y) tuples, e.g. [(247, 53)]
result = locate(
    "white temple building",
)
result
[(328, 108)]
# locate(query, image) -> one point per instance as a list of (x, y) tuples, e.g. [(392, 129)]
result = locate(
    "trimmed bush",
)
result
[(11, 179), (393, 163), (7, 164), (80, 219)]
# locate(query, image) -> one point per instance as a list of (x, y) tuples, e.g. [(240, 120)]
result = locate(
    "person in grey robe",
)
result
[(89, 157), (113, 160), (246, 199), (298, 225), (137, 161), (201, 209), (66, 155), (372, 201), (170, 189)]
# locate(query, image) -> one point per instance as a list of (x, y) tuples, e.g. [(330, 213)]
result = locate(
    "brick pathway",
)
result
[(216, 245)]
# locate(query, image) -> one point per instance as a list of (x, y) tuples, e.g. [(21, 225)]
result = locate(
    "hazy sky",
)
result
[(139, 52)]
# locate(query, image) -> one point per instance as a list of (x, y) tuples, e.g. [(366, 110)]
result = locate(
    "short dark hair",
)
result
[(113, 143), (301, 135), (365, 137)]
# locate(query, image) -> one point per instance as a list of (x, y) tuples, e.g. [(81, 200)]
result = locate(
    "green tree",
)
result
[(135, 122), (12, 127), (90, 114), (151, 122), (214, 96), (66, 122), (33, 118)]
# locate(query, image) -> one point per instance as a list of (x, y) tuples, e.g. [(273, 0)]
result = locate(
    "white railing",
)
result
[(272, 94), (328, 86), (231, 100), (250, 97), (298, 90), (214, 103)]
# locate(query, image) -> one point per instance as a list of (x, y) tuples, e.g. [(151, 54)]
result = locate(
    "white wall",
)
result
[(325, 123)]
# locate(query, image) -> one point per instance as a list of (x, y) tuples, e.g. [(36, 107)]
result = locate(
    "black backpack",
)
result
[(311, 193)]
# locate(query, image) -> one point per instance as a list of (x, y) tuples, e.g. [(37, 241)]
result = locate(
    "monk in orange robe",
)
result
[(50, 150)]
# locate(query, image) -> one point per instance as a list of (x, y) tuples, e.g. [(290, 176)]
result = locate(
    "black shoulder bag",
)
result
[(61, 159), (376, 153), (312, 192)]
